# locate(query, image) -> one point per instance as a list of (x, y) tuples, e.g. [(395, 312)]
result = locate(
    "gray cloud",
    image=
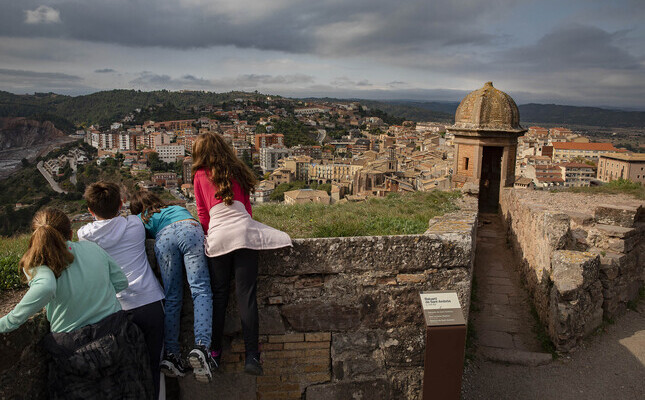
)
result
[(254, 81), (105, 71), (328, 27), (50, 76), (25, 81), (147, 79), (152, 80), (344, 82), (574, 47)]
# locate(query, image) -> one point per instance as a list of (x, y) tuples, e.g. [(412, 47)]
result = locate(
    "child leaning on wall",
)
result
[(124, 239), (179, 239), (97, 352)]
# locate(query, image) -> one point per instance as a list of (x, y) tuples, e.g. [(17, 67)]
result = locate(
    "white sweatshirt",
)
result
[(124, 239)]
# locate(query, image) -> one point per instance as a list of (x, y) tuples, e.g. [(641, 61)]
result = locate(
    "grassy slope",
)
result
[(393, 215), (620, 186)]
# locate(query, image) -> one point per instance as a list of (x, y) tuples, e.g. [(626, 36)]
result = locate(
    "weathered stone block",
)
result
[(372, 389), (270, 321), (357, 355), (403, 346), (321, 316), (573, 271), (623, 215)]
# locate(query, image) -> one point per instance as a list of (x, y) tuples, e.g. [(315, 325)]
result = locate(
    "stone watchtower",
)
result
[(487, 124)]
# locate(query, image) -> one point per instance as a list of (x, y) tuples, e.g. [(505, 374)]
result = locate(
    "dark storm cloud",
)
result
[(105, 71), (574, 47), (328, 27)]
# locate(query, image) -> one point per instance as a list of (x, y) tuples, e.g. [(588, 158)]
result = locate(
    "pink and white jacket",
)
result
[(228, 228)]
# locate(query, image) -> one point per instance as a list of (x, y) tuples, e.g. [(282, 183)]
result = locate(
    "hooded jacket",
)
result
[(124, 239)]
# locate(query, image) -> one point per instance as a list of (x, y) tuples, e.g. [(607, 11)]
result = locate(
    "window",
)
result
[(466, 162)]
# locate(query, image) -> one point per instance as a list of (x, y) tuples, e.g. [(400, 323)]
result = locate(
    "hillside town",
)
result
[(341, 145)]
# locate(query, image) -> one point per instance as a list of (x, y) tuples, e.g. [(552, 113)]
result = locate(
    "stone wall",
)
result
[(339, 318), (583, 257)]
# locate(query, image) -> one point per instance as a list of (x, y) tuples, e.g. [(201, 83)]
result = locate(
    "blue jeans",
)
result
[(177, 242)]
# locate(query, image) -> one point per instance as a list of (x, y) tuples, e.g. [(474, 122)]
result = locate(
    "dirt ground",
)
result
[(609, 365)]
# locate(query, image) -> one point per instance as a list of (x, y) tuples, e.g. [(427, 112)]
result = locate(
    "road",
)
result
[(52, 182), (72, 164)]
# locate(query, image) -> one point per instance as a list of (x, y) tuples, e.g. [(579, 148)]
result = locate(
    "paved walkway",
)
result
[(502, 318), (607, 365)]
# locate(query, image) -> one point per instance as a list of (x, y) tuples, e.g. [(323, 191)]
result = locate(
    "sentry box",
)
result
[(445, 345)]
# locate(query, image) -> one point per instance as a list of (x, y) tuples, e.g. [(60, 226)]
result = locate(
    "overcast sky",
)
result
[(580, 52)]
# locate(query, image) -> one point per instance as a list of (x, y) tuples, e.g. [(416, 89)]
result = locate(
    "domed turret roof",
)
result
[(488, 109)]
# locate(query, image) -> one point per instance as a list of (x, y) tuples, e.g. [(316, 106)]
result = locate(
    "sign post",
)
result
[(445, 345)]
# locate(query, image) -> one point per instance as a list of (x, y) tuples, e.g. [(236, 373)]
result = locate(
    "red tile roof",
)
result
[(584, 146)]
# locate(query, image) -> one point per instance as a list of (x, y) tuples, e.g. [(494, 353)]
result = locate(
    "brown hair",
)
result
[(212, 153), (51, 228), (103, 199), (145, 203)]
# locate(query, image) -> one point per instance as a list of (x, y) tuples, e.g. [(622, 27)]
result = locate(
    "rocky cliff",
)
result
[(22, 132)]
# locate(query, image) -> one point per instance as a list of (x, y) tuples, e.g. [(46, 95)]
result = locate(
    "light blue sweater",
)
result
[(84, 294)]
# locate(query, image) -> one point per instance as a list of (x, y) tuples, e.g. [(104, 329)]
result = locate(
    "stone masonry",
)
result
[(583, 257), (339, 318)]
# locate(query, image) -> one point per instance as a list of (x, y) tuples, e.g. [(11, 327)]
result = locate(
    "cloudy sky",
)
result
[(581, 52)]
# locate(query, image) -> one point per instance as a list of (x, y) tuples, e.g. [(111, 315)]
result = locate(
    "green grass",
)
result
[(620, 186), (396, 214), (11, 249)]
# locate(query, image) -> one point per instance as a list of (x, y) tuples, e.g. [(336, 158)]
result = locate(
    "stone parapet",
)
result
[(339, 318), (582, 256)]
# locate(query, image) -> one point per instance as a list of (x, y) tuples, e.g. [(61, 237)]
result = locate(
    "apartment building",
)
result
[(612, 166), (169, 153), (269, 157), (577, 174)]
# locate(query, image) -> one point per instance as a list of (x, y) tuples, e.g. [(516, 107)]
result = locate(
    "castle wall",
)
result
[(339, 318), (582, 257)]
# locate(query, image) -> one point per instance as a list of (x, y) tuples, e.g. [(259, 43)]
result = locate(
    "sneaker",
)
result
[(200, 359), (252, 365), (173, 366)]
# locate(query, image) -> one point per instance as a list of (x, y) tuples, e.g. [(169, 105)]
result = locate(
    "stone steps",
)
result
[(517, 357)]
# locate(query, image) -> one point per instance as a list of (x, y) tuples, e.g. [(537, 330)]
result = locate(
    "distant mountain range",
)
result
[(529, 113), (105, 107)]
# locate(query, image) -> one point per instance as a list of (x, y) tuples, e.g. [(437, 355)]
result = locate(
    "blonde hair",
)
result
[(51, 228), (212, 153)]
